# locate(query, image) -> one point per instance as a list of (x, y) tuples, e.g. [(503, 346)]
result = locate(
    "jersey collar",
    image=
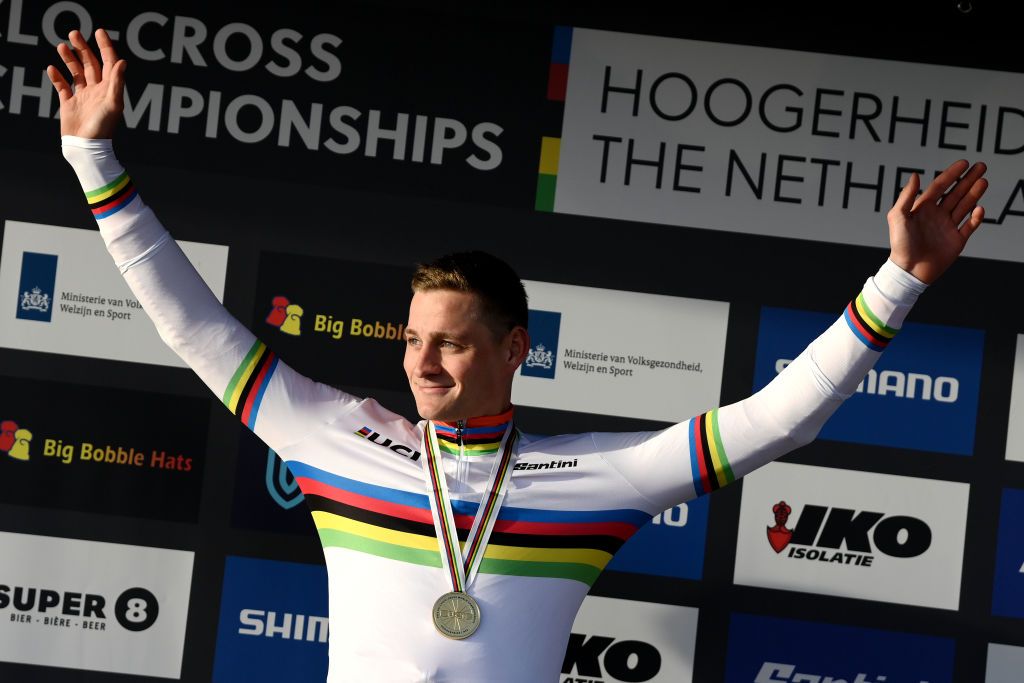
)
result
[(480, 435)]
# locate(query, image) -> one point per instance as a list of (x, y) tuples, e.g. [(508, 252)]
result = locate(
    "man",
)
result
[(407, 601)]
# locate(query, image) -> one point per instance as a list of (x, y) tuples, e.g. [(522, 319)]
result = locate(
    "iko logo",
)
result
[(36, 289), (281, 484), (14, 441), (544, 329), (593, 658), (136, 609), (823, 531), (375, 437)]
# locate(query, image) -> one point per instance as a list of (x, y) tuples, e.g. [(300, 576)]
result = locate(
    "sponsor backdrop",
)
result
[(690, 197), (770, 650), (72, 299), (103, 607)]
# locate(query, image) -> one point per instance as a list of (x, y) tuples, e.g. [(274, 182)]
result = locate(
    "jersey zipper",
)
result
[(460, 468)]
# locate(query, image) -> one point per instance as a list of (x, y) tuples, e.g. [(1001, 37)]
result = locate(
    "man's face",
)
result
[(456, 367)]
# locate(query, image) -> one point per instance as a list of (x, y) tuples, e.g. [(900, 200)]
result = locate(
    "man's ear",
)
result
[(518, 346)]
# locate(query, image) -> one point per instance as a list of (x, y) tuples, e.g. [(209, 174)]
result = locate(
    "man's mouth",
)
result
[(433, 389)]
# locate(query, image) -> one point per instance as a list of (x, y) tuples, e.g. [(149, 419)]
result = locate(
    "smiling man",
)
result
[(457, 565)]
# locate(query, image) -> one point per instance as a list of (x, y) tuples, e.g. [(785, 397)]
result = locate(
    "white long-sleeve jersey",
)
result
[(573, 500)]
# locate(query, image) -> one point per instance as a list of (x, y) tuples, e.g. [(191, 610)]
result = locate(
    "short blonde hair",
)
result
[(503, 299)]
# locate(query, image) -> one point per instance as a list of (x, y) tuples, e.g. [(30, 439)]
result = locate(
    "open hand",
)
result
[(928, 232), (93, 108)]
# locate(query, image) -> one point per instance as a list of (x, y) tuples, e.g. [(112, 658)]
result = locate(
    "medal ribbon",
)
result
[(462, 565)]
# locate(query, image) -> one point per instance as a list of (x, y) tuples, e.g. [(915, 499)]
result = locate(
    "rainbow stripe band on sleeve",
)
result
[(710, 467), (244, 393), (112, 197), (866, 326)]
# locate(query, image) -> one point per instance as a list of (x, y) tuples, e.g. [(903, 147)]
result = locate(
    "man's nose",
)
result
[(428, 361)]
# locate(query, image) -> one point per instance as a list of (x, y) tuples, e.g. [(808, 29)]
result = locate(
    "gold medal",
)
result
[(456, 615)]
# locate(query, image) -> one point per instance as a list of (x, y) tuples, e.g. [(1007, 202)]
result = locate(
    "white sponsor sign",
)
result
[(627, 640), (1015, 429), (853, 534), (1004, 663), (96, 606), (92, 311), (778, 142), (623, 353)]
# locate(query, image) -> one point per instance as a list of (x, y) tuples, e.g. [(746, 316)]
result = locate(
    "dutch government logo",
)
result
[(14, 440), (544, 328), (281, 484), (285, 316), (846, 536), (36, 288)]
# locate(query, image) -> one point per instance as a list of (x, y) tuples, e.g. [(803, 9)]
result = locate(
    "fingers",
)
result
[(905, 202), (73, 65), (60, 83), (90, 66), (107, 52), (968, 200), (972, 224), (941, 183), (117, 82), (963, 186)]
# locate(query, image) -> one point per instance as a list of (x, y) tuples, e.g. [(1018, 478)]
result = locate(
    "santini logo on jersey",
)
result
[(372, 435), (912, 385), (552, 465), (821, 532)]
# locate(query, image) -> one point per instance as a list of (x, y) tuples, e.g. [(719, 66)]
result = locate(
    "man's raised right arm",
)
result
[(239, 368)]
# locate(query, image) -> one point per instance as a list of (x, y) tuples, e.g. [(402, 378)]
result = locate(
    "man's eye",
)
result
[(412, 341)]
